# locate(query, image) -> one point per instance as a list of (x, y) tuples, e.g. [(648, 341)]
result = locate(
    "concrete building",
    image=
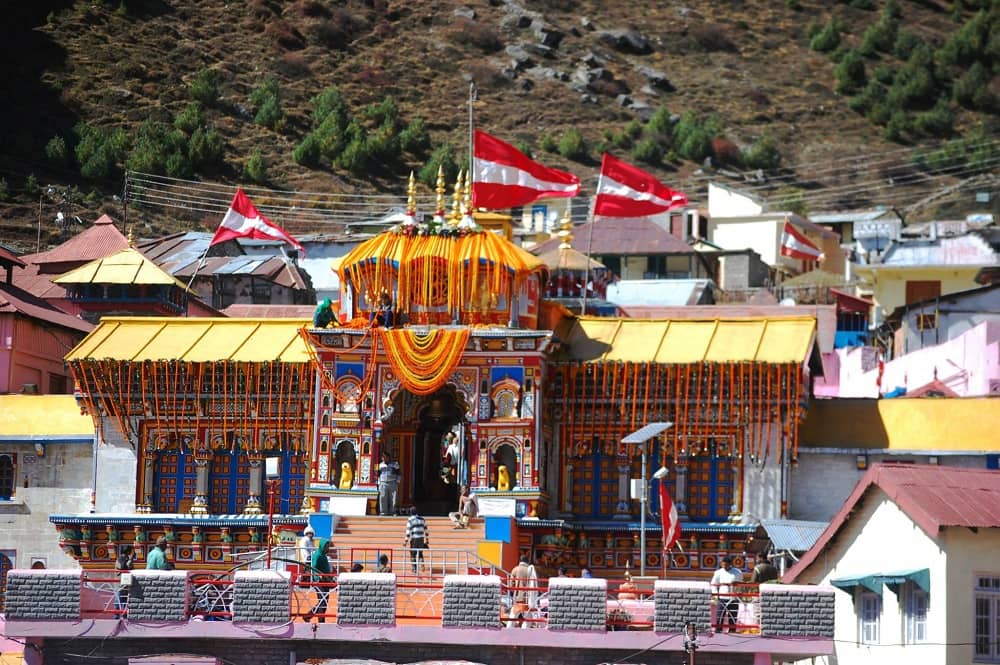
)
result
[(913, 554)]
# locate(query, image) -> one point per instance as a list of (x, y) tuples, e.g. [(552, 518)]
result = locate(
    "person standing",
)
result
[(417, 539), (724, 581), (388, 485), (125, 563), (383, 564), (157, 557), (764, 571), (304, 548), (520, 581), (321, 577), (468, 507)]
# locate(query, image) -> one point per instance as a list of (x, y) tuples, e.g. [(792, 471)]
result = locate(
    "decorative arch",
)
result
[(505, 396)]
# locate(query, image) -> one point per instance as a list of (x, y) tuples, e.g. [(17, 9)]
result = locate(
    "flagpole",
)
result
[(472, 152), (590, 243), (199, 266)]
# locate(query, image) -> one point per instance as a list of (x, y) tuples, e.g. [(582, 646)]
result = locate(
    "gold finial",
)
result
[(131, 237), (411, 196), (565, 233), (456, 202), (441, 191), (467, 198)]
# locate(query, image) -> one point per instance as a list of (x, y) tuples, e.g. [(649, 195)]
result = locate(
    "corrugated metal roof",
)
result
[(128, 266), (14, 299), (621, 237), (194, 340), (41, 415), (794, 535), (97, 241), (771, 340), (934, 497)]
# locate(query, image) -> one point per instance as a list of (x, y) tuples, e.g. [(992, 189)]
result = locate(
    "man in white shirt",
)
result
[(724, 584), (306, 546)]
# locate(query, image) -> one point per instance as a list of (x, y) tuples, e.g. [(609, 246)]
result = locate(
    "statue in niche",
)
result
[(346, 476), (503, 478), (506, 399)]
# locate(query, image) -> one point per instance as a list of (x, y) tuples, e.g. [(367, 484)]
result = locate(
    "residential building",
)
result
[(739, 220), (913, 554), (868, 232), (942, 318), (916, 271)]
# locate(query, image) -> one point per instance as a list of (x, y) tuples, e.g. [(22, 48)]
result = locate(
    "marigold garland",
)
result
[(423, 361)]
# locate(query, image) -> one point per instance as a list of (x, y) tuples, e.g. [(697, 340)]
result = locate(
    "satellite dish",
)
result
[(787, 302)]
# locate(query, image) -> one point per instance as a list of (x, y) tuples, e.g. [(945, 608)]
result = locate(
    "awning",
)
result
[(874, 581)]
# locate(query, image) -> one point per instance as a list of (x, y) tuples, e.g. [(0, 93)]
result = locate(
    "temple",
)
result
[(443, 328)]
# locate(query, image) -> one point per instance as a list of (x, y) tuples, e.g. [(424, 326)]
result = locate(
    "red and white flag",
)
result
[(668, 515), (627, 191), (243, 221), (795, 245), (503, 177)]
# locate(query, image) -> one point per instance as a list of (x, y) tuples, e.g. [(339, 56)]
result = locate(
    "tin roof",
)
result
[(194, 340), (934, 497), (619, 237), (17, 300), (794, 535), (766, 340), (127, 266), (99, 240)]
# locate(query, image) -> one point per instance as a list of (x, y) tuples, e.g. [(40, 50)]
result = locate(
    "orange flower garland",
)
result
[(423, 361)]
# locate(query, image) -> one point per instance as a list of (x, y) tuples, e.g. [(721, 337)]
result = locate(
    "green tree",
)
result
[(307, 152), (573, 146), (266, 99), (255, 169), (968, 43), (55, 150), (763, 154), (415, 139), (99, 151), (443, 157), (649, 151), (190, 118), (850, 73), (972, 89), (828, 38), (938, 121), (206, 86)]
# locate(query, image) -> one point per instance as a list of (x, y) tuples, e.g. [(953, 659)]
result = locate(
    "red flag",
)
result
[(243, 221), (797, 246), (668, 516), (627, 191), (504, 177)]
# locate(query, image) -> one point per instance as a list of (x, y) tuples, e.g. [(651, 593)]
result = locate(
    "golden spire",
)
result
[(411, 196), (131, 237), (565, 233), (456, 202), (441, 191)]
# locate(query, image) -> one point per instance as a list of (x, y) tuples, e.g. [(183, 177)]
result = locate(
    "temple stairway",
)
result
[(364, 538)]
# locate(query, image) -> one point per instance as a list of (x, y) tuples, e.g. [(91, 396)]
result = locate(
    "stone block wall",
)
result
[(677, 603), (43, 594), (471, 601), (366, 599), (792, 610), (578, 604), (262, 596), (158, 595)]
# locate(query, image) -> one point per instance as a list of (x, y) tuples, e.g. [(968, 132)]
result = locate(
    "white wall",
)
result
[(879, 537), (116, 472), (724, 202), (969, 554), (762, 485), (763, 236), (58, 482)]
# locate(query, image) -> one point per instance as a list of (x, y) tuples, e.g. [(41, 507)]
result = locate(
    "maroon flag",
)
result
[(627, 191), (243, 221), (504, 177)]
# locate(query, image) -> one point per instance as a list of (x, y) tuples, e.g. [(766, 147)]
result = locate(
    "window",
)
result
[(926, 321), (7, 468), (869, 612), (915, 602), (987, 637)]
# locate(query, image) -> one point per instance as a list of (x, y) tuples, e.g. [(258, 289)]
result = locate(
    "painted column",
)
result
[(202, 459), (567, 490), (148, 479), (623, 508), (681, 485), (737, 506), (256, 483)]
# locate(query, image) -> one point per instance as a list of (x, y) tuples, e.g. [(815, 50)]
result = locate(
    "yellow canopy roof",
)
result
[(42, 415), (127, 266), (765, 340), (194, 340)]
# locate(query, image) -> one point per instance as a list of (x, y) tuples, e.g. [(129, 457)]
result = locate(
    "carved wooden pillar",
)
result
[(202, 460), (567, 490), (256, 483), (148, 479), (681, 471), (623, 507)]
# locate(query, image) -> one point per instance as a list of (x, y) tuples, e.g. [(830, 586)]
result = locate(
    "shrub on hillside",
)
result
[(712, 37), (548, 143), (255, 170), (828, 38), (938, 121), (726, 152), (99, 151), (647, 150), (969, 42), (573, 146), (190, 118), (206, 86), (879, 37), (475, 34), (898, 126), (915, 85), (850, 73), (337, 31), (55, 150), (659, 124), (906, 41), (266, 99), (414, 138), (284, 35), (205, 150), (326, 102), (443, 157), (763, 154), (973, 91), (307, 152), (692, 137)]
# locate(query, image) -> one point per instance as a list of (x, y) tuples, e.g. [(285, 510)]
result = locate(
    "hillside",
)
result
[(118, 78)]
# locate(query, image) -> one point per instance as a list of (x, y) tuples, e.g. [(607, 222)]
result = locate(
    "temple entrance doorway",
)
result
[(415, 434)]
